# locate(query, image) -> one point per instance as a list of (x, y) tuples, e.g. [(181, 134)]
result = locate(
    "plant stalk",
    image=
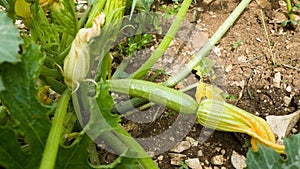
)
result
[(209, 44), (52, 144), (290, 10), (165, 42)]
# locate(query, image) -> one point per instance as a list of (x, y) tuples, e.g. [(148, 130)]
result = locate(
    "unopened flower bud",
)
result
[(77, 62)]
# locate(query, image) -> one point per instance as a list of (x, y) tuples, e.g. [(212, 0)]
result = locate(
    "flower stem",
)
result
[(52, 144)]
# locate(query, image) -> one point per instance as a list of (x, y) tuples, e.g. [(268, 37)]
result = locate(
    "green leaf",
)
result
[(9, 6), (295, 8), (284, 23), (132, 7), (267, 158), (10, 151), (74, 156), (9, 40), (30, 117)]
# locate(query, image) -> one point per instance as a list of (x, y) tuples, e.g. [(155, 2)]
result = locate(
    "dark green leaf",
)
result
[(267, 158), (9, 6), (20, 99), (11, 155), (75, 156), (9, 40)]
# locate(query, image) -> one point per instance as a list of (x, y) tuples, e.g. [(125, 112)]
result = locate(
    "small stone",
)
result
[(215, 167), (207, 167), (223, 167), (238, 161), (288, 89), (277, 79), (223, 152), (282, 125), (217, 149), (206, 161), (200, 153), (206, 144), (287, 100), (175, 158), (282, 3), (217, 160), (182, 146), (193, 142), (242, 58), (194, 163), (206, 2), (160, 158), (228, 68), (258, 39), (294, 130)]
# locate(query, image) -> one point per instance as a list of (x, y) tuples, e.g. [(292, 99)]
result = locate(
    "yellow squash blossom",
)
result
[(215, 113)]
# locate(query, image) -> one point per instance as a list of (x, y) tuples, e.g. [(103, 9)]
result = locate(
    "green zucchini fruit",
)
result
[(172, 99)]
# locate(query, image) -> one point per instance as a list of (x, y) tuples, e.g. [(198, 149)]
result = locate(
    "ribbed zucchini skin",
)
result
[(172, 99)]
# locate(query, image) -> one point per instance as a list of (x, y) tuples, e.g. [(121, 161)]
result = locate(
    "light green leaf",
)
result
[(267, 158), (9, 40), (132, 7), (30, 117)]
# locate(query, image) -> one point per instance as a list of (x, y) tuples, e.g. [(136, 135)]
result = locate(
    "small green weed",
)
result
[(171, 10), (230, 97), (237, 44), (134, 44), (291, 10), (183, 165)]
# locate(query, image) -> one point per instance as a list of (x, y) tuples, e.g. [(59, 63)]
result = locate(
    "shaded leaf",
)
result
[(20, 99), (9, 40), (9, 6), (75, 156)]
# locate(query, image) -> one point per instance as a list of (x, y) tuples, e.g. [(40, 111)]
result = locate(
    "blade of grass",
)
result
[(267, 37)]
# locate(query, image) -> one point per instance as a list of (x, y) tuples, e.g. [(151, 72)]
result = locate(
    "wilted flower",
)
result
[(219, 115), (77, 62)]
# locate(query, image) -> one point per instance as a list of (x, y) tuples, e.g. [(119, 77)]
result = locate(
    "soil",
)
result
[(263, 74)]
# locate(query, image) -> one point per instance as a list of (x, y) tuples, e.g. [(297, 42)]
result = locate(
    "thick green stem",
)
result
[(165, 42), (209, 45), (52, 144), (290, 10)]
